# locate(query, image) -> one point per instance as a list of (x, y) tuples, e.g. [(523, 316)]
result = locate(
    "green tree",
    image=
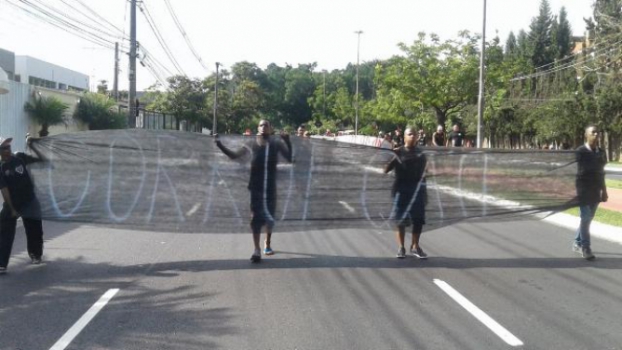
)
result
[(299, 86), (562, 36), (439, 75), (102, 87), (46, 111), (98, 112), (185, 100), (511, 46), (540, 36)]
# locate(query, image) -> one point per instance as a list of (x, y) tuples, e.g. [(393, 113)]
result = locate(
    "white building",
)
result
[(36, 72)]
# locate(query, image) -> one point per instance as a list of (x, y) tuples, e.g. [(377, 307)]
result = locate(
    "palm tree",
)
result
[(46, 111), (98, 112)]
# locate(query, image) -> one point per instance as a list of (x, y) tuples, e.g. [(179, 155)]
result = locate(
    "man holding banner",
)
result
[(409, 193), (264, 151)]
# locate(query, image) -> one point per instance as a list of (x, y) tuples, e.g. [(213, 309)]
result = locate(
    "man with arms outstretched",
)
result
[(264, 151)]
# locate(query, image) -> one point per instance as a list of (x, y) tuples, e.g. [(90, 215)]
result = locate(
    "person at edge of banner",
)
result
[(301, 131), (19, 201), (409, 193), (438, 137), (455, 137), (591, 188), (264, 152)]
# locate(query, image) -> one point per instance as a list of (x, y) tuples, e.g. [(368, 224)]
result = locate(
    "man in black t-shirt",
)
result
[(264, 151), (591, 188), (19, 200), (455, 137), (421, 138), (438, 137), (409, 193)]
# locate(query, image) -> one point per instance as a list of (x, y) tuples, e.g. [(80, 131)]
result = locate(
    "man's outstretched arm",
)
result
[(229, 153)]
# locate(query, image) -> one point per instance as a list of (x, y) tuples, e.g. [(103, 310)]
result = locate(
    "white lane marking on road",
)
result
[(498, 329), (194, 209), (347, 206), (68, 337)]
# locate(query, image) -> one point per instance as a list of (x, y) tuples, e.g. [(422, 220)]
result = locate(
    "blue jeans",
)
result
[(583, 232)]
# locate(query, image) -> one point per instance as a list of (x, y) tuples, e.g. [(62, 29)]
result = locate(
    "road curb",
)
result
[(599, 230), (613, 170)]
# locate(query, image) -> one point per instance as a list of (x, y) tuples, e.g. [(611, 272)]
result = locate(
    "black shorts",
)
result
[(263, 208), (408, 210)]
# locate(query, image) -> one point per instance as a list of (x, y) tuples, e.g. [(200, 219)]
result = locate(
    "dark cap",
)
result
[(5, 142)]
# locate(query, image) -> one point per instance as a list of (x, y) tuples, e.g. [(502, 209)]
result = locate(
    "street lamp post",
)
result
[(356, 106), (480, 102), (215, 100)]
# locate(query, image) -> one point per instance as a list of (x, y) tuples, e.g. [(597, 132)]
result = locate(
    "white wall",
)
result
[(14, 121), (27, 66)]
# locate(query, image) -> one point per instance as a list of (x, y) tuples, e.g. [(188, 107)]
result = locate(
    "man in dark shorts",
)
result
[(264, 151), (438, 137), (19, 201), (409, 193), (455, 137), (591, 188)]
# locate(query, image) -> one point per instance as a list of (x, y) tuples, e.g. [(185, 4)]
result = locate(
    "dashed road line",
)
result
[(73, 332), (493, 325)]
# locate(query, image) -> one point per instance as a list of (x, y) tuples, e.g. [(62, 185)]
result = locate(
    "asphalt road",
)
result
[(340, 289)]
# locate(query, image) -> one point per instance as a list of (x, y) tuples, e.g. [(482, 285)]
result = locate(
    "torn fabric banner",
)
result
[(182, 182)]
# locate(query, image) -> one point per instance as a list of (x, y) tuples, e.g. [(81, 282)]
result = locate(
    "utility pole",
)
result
[(115, 85), (480, 102), (324, 94), (131, 120), (215, 100), (356, 118)]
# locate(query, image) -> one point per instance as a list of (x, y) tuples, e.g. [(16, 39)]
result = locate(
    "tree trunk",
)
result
[(441, 116), (44, 130)]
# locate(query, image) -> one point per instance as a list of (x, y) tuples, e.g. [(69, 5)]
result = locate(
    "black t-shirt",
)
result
[(14, 176), (421, 141), (409, 168), (590, 174), (439, 138), (456, 138), (259, 162), (264, 158)]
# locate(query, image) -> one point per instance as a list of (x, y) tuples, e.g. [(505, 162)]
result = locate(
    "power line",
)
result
[(145, 11), (601, 52), (183, 33), (62, 16), (64, 26), (100, 17)]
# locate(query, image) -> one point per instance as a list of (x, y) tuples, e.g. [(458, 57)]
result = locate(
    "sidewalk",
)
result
[(615, 200), (598, 230)]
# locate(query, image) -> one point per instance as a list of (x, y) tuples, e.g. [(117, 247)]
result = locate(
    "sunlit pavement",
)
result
[(340, 289)]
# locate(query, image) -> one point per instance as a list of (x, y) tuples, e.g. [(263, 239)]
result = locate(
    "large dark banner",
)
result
[(178, 181)]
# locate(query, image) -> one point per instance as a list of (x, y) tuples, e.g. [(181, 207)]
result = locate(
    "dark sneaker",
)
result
[(576, 247), (419, 253), (256, 257), (268, 251), (35, 260), (401, 254), (2, 270), (587, 254)]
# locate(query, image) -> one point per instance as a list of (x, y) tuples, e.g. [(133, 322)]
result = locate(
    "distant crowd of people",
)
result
[(455, 138)]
